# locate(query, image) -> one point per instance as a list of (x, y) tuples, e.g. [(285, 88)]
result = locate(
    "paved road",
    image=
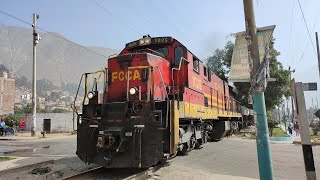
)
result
[(238, 157), (55, 148), (231, 156)]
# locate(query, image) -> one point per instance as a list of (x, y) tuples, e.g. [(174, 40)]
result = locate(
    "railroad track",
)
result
[(123, 173)]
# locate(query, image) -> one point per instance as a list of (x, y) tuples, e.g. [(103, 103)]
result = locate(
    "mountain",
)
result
[(57, 60)]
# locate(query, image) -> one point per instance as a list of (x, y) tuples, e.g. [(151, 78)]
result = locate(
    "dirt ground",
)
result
[(176, 172), (61, 168)]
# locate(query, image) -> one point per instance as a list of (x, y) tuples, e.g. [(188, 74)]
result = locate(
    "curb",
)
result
[(15, 169), (285, 139), (312, 143), (22, 150), (17, 138)]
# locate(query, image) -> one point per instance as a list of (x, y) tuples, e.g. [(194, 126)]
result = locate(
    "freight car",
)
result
[(156, 100)]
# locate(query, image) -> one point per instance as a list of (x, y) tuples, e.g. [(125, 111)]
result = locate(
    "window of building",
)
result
[(178, 53), (195, 64)]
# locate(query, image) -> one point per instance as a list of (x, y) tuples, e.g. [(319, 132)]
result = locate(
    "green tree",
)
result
[(220, 63)]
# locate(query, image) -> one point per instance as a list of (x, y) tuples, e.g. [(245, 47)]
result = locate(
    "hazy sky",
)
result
[(202, 26)]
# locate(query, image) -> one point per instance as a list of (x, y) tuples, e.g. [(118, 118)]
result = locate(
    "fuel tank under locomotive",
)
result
[(119, 135)]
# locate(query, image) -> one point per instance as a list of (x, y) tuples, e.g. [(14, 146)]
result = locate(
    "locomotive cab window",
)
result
[(178, 54), (209, 75), (205, 73), (164, 51), (195, 64)]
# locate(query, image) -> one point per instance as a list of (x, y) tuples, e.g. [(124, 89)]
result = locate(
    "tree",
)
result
[(220, 63), (23, 82), (3, 68)]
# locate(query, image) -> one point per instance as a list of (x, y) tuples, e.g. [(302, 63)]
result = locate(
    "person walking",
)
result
[(290, 130), (2, 124), (296, 128)]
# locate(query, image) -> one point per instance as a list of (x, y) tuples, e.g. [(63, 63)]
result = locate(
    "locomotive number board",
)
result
[(156, 40), (161, 40)]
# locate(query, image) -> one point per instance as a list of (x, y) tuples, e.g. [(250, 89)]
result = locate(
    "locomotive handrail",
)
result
[(86, 87), (116, 54), (144, 67), (75, 99), (176, 69)]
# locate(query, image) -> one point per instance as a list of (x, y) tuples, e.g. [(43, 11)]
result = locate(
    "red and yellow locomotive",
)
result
[(157, 100)]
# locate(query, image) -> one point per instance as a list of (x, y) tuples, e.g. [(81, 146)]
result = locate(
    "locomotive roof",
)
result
[(157, 41)]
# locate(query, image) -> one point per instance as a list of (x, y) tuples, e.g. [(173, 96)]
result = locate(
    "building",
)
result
[(7, 94)]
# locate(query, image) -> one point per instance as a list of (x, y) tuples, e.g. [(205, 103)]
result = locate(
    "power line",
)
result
[(115, 17), (21, 20), (291, 24), (304, 19), (303, 51)]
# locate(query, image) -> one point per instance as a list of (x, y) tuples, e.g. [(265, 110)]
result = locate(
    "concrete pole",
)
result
[(292, 103), (36, 39), (279, 118), (305, 135), (284, 117), (262, 132)]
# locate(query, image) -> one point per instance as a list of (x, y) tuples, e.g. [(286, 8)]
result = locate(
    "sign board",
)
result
[(309, 86), (240, 70)]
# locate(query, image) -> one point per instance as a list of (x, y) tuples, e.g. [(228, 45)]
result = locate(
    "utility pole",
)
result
[(318, 51), (292, 103), (36, 39), (284, 117), (304, 127), (262, 134), (279, 116)]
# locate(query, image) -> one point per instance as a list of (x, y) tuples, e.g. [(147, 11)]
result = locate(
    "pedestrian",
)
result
[(2, 124), (290, 130), (296, 128)]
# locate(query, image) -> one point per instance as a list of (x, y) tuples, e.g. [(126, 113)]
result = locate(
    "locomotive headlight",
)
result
[(133, 90), (141, 42), (147, 41), (90, 95)]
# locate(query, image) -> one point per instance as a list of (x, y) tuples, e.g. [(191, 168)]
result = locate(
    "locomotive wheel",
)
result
[(205, 138), (184, 150), (198, 144), (192, 143)]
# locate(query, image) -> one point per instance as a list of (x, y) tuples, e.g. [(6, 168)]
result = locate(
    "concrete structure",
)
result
[(60, 122), (7, 96)]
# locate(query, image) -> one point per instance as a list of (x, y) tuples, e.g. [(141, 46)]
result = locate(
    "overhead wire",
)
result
[(167, 20), (304, 19), (55, 35), (301, 57), (115, 17), (21, 20), (290, 34)]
